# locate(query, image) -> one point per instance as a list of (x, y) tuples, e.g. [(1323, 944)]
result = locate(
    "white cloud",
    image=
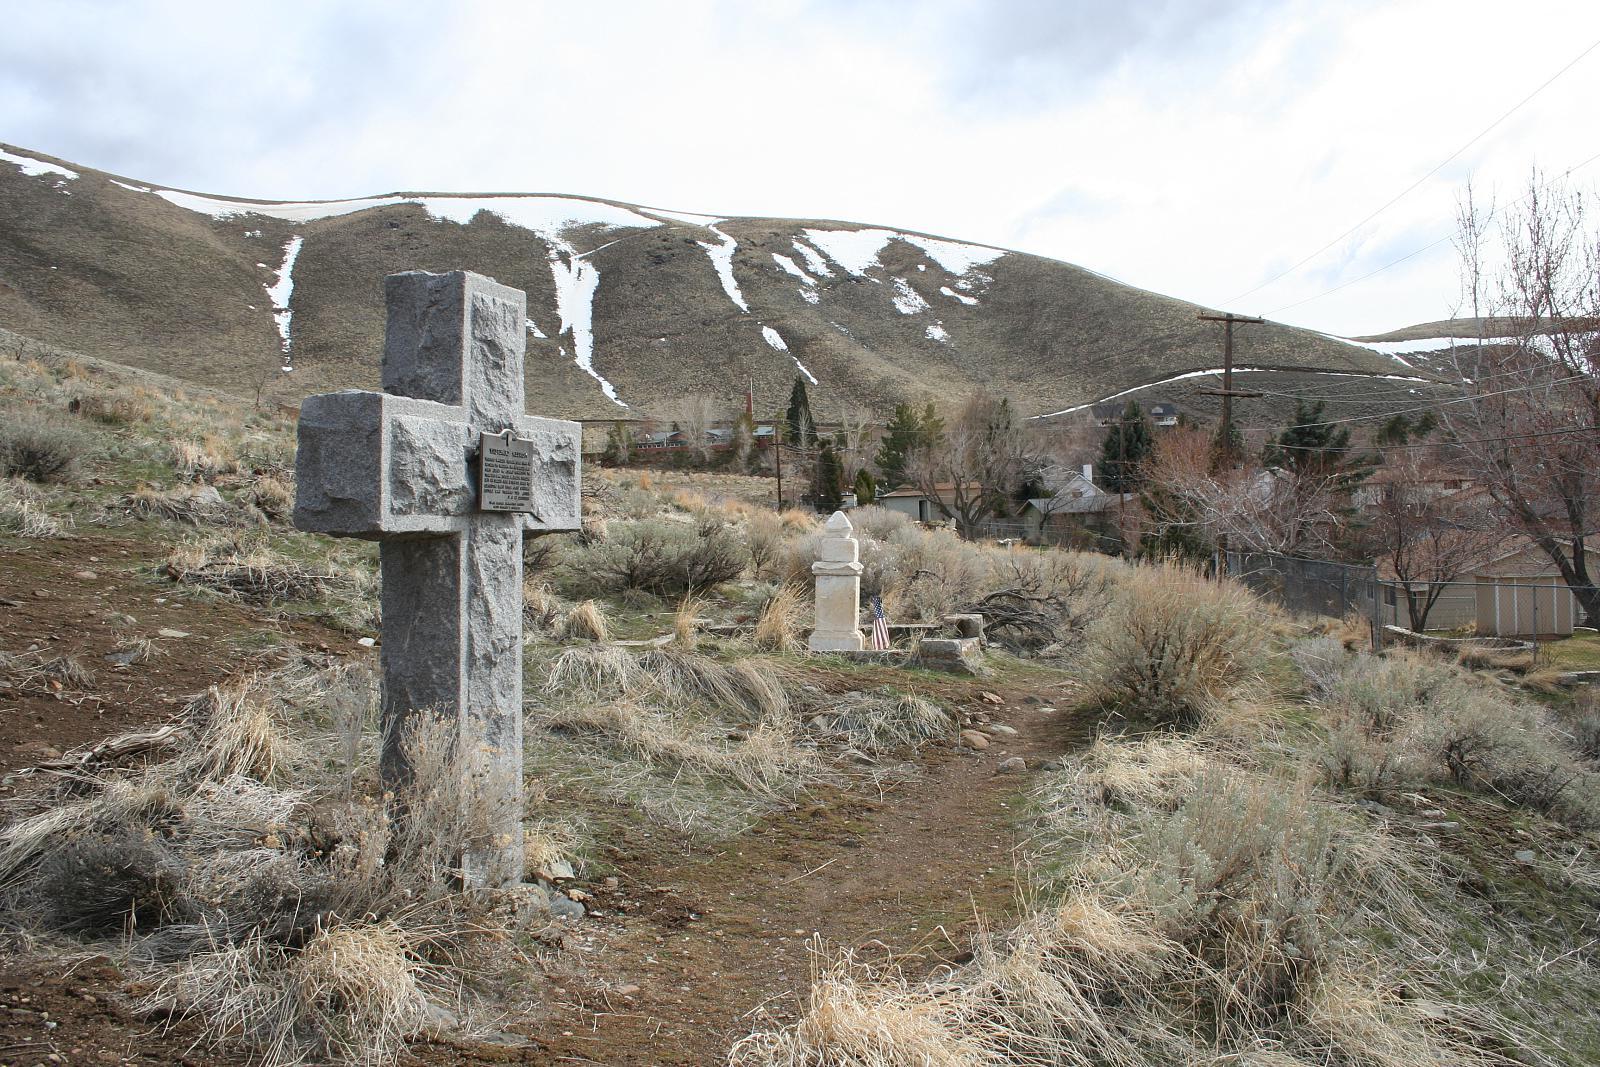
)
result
[(1192, 148)]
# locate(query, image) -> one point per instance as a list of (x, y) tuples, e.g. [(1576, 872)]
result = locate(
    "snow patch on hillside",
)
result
[(576, 281), (280, 291), (937, 332), (1392, 348), (130, 188), (721, 256), (963, 297), (1218, 371), (813, 259), (791, 267), (857, 250), (953, 256), (854, 250), (533, 328), (36, 168), (544, 215), (803, 369), (775, 339), (809, 295), (907, 300), (693, 218)]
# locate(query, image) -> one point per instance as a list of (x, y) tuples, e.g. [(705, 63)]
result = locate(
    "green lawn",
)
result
[(1580, 652)]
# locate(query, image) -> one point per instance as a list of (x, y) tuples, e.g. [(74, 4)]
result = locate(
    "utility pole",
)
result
[(1227, 392), (777, 444)]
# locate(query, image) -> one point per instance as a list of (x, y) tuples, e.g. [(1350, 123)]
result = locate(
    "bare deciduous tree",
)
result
[(859, 428), (694, 421), (1530, 427), (1427, 532), (1253, 508), (979, 463)]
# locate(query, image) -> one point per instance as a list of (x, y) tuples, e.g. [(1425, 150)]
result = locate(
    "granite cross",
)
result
[(425, 468)]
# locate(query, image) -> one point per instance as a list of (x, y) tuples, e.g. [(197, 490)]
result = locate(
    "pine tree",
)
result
[(1127, 444), (866, 488), (1313, 445), (616, 452), (931, 428), (827, 476), (900, 440), (802, 427)]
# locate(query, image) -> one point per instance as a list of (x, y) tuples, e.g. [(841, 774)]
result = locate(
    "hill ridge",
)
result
[(634, 310)]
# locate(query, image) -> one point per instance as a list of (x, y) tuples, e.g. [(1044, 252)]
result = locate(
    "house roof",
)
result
[(1539, 564), (914, 491), (1085, 505)]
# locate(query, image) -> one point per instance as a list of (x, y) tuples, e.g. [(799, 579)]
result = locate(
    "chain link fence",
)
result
[(1528, 608), (1317, 587)]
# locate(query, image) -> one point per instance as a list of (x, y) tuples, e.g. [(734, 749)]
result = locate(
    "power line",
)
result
[(1410, 188), (1438, 444), (1409, 255), (1425, 407)]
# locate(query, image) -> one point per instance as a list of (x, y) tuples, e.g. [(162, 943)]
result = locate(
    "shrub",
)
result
[(39, 450), (271, 495), (882, 722), (1172, 645), (878, 523), (764, 538), (203, 460), (661, 558), (1403, 721)]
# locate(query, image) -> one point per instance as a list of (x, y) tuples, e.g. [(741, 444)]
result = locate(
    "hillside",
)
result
[(632, 310)]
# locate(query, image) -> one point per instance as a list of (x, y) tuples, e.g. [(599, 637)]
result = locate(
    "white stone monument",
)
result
[(448, 474), (838, 574)]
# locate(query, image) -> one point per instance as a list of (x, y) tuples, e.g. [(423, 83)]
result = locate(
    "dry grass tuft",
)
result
[(883, 722), (1208, 914), (236, 732), (252, 572), (583, 622), (113, 408), (23, 512), (686, 624), (782, 620), (195, 505)]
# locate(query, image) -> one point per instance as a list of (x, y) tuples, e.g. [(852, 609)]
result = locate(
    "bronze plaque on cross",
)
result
[(505, 472)]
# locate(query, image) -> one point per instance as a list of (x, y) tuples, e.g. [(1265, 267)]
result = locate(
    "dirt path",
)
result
[(691, 952), (686, 953)]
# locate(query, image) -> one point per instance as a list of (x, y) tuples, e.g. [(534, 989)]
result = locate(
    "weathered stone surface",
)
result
[(965, 625), (974, 740), (396, 467), (1014, 765), (960, 655), (838, 578)]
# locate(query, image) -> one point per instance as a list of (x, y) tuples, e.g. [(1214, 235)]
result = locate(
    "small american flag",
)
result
[(880, 626)]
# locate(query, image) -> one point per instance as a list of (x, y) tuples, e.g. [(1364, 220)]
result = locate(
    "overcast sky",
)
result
[(1192, 147)]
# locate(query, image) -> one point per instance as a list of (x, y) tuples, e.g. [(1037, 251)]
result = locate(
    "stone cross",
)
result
[(402, 467), (838, 589)]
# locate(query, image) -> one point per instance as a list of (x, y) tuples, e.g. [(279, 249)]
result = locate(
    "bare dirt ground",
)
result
[(693, 951), (684, 951)]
